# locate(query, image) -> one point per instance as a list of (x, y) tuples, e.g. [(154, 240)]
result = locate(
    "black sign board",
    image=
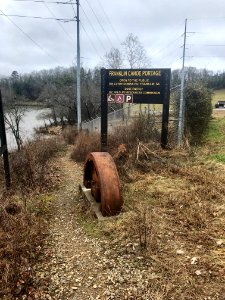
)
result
[(137, 86), (151, 86)]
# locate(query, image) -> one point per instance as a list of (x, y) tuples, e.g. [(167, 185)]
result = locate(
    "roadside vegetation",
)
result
[(173, 211), (173, 218), (24, 213)]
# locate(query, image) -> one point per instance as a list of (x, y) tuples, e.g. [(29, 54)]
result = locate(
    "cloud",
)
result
[(158, 25)]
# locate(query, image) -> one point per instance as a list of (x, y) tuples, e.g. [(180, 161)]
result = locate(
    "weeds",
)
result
[(23, 216), (140, 129), (174, 214), (21, 233), (70, 134), (85, 143), (219, 157), (30, 169)]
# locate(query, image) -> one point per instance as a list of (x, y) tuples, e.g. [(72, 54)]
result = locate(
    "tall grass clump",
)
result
[(140, 129), (30, 168), (21, 236), (69, 134), (23, 217), (84, 144)]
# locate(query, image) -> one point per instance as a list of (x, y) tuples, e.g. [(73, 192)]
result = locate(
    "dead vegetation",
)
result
[(23, 215), (30, 169), (174, 220), (69, 134), (172, 230), (84, 144)]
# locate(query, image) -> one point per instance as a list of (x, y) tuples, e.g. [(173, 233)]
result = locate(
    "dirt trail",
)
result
[(78, 266), (69, 257), (74, 265)]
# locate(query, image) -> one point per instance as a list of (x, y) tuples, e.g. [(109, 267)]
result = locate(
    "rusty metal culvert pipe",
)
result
[(101, 176)]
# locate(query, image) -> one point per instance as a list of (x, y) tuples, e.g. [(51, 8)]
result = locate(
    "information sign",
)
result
[(147, 86)]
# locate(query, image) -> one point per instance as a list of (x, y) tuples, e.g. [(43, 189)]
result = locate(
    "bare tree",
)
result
[(13, 119), (134, 52), (113, 59)]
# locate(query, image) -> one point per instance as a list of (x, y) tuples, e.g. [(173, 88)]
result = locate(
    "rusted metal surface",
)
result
[(100, 175)]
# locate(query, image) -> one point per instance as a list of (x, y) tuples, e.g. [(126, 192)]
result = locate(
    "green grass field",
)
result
[(135, 110), (218, 95)]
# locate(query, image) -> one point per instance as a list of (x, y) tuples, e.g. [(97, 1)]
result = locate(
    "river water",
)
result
[(30, 121)]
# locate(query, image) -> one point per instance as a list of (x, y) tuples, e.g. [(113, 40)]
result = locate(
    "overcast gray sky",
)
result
[(106, 23)]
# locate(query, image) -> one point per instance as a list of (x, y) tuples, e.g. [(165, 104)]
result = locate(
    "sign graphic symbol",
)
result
[(111, 98), (119, 98), (129, 98)]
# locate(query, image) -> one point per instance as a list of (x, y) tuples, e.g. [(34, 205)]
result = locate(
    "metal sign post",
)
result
[(3, 147), (165, 113), (104, 111), (147, 86)]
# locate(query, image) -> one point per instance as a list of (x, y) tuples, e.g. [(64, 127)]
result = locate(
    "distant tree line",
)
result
[(208, 78), (56, 88)]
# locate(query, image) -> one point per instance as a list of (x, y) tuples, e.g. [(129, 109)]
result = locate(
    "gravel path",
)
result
[(78, 267)]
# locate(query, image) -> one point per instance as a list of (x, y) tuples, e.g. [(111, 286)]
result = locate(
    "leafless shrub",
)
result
[(70, 133), (22, 221), (142, 128), (30, 167), (21, 240), (84, 144)]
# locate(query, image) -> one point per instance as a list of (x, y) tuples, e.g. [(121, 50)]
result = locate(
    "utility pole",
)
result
[(78, 69), (182, 98)]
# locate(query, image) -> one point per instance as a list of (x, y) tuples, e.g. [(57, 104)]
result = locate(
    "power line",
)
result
[(206, 45), (37, 17), (159, 42), (110, 23), (99, 23), (93, 29), (167, 46), (41, 1), (44, 3), (193, 56), (30, 38), (168, 60), (73, 8), (206, 18), (90, 39)]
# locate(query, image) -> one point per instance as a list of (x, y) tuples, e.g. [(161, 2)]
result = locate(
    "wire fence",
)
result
[(153, 113), (120, 117)]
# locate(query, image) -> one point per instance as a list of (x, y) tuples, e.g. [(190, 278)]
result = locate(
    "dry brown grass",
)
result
[(23, 216), (175, 214), (84, 144), (174, 203), (176, 217), (69, 134), (140, 129), (20, 237), (30, 168)]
